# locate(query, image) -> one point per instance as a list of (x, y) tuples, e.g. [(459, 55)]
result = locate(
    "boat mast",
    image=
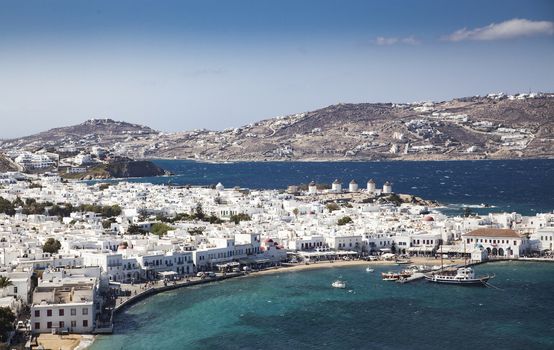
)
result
[(442, 266)]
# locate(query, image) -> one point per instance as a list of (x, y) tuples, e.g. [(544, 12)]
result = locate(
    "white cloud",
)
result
[(513, 28), (384, 41)]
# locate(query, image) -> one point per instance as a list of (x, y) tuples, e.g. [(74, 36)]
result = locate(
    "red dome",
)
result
[(428, 218)]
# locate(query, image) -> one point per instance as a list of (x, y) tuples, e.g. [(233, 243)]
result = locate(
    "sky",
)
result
[(182, 65)]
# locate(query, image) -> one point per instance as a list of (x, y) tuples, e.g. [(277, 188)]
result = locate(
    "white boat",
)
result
[(403, 261), (463, 276), (369, 269), (339, 284)]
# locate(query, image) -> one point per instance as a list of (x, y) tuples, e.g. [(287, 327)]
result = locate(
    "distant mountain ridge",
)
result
[(103, 131), (495, 126)]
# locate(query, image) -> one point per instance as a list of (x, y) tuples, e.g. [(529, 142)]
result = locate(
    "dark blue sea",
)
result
[(300, 310), (525, 186)]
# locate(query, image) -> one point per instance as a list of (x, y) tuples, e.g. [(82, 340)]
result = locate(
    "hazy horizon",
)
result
[(182, 65)]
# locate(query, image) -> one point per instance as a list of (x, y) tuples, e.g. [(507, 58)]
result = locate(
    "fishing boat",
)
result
[(338, 284), (390, 276), (463, 276)]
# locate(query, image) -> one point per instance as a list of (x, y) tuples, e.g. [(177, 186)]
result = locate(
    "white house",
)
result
[(497, 242), (64, 303)]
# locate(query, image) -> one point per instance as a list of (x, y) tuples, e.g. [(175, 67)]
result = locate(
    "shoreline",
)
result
[(234, 161), (87, 341)]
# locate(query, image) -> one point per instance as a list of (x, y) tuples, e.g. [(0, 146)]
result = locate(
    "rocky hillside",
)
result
[(495, 126), (98, 132), (119, 169), (6, 164)]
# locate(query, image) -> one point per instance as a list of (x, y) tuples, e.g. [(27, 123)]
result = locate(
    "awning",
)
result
[(229, 264), (421, 249), (262, 261), (168, 273), (451, 249)]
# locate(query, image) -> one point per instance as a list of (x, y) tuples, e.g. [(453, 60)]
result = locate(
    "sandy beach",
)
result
[(340, 263), (65, 342)]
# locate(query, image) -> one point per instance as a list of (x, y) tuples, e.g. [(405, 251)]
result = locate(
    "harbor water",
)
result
[(300, 310)]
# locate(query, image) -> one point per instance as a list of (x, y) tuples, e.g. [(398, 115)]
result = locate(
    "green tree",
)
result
[(213, 219), (196, 231), (199, 212), (239, 217), (344, 220), (6, 207), (5, 282), (7, 318), (134, 230), (51, 246), (106, 224), (160, 228), (332, 207)]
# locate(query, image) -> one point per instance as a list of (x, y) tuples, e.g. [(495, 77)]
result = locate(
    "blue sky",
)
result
[(179, 65)]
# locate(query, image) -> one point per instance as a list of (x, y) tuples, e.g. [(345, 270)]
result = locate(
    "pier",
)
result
[(414, 277)]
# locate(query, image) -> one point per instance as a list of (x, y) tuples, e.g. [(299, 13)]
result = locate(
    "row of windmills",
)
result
[(336, 187)]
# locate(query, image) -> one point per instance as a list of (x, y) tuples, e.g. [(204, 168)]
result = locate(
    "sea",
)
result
[(524, 186), (300, 310)]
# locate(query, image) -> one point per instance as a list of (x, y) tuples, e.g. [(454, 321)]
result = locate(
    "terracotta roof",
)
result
[(493, 232)]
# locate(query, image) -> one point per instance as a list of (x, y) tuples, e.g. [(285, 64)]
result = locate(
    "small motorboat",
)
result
[(390, 276), (338, 284), (403, 261), (369, 269)]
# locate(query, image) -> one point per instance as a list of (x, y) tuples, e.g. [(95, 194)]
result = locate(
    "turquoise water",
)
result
[(524, 186), (299, 310)]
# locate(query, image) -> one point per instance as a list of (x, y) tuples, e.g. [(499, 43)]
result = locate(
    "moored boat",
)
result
[(403, 261), (463, 276), (338, 284), (390, 276)]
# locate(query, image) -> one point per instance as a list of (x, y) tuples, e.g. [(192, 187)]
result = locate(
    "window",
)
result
[(37, 313), (73, 324), (37, 325), (85, 323), (15, 290), (49, 325), (85, 311), (49, 313), (61, 312), (62, 324), (73, 312)]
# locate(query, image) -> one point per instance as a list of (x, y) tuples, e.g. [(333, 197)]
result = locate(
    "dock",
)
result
[(414, 277)]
